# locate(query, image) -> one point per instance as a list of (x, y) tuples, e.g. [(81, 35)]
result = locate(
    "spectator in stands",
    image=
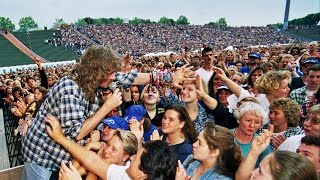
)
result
[(313, 49), (110, 125), (310, 148), (254, 74), (254, 60), (299, 82), (137, 113), (311, 127), (150, 98), (307, 105), (313, 83), (215, 155), (179, 131), (284, 116), (205, 72), (78, 91)]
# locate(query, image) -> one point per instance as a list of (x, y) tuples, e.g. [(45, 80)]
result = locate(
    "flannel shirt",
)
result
[(304, 110), (68, 103), (299, 95), (202, 117)]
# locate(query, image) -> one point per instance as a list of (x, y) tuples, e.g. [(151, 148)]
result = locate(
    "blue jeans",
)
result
[(33, 171)]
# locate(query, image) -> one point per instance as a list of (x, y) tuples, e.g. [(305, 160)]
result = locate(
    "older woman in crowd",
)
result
[(250, 117)]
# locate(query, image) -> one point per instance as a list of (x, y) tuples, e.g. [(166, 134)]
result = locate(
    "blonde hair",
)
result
[(96, 65), (290, 108), (271, 81), (129, 141)]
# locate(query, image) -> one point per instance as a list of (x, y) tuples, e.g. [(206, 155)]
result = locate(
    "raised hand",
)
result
[(68, 173), (136, 128), (199, 87), (155, 136), (276, 141), (261, 142), (219, 72), (54, 128), (181, 172), (114, 100), (183, 74), (95, 136)]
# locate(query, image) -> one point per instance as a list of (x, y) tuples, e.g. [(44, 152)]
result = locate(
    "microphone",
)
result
[(113, 86)]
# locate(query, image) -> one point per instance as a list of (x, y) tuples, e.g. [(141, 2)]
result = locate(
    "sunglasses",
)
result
[(150, 89)]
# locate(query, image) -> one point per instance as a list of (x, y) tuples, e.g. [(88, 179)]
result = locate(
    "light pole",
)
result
[(28, 34)]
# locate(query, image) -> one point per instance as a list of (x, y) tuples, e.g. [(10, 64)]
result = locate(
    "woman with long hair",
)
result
[(215, 155), (179, 131)]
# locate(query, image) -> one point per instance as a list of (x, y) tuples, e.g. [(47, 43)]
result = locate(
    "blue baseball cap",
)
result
[(135, 111), (312, 60), (116, 122), (254, 55)]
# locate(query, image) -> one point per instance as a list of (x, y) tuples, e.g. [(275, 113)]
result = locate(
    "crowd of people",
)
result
[(152, 38), (215, 114)]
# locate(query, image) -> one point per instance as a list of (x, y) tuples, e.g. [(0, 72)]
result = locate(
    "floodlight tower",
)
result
[(286, 15)]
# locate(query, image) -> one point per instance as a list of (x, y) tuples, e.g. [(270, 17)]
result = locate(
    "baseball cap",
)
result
[(115, 122), (180, 63), (254, 55), (135, 111), (311, 60)]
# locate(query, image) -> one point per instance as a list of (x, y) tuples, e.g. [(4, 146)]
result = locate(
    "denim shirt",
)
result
[(203, 115), (209, 175)]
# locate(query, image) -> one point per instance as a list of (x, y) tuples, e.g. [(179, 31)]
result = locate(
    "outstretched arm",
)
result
[(259, 144), (89, 159), (234, 87)]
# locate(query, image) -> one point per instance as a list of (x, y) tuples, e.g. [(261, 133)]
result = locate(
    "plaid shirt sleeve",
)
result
[(299, 95), (126, 79)]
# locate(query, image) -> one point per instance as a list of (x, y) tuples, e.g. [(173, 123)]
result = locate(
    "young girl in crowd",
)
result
[(179, 131), (215, 155)]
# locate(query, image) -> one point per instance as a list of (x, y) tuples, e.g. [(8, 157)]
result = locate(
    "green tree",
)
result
[(165, 20), (58, 23), (211, 24), (88, 20), (6, 23), (27, 23), (137, 20), (182, 20), (221, 22), (81, 22), (310, 19)]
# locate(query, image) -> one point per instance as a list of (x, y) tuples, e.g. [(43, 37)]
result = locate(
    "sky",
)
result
[(236, 12)]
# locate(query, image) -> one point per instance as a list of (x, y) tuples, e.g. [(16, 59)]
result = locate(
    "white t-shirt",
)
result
[(309, 95), (116, 172), (204, 74), (292, 143)]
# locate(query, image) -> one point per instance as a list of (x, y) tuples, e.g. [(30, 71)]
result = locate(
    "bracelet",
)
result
[(151, 78)]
